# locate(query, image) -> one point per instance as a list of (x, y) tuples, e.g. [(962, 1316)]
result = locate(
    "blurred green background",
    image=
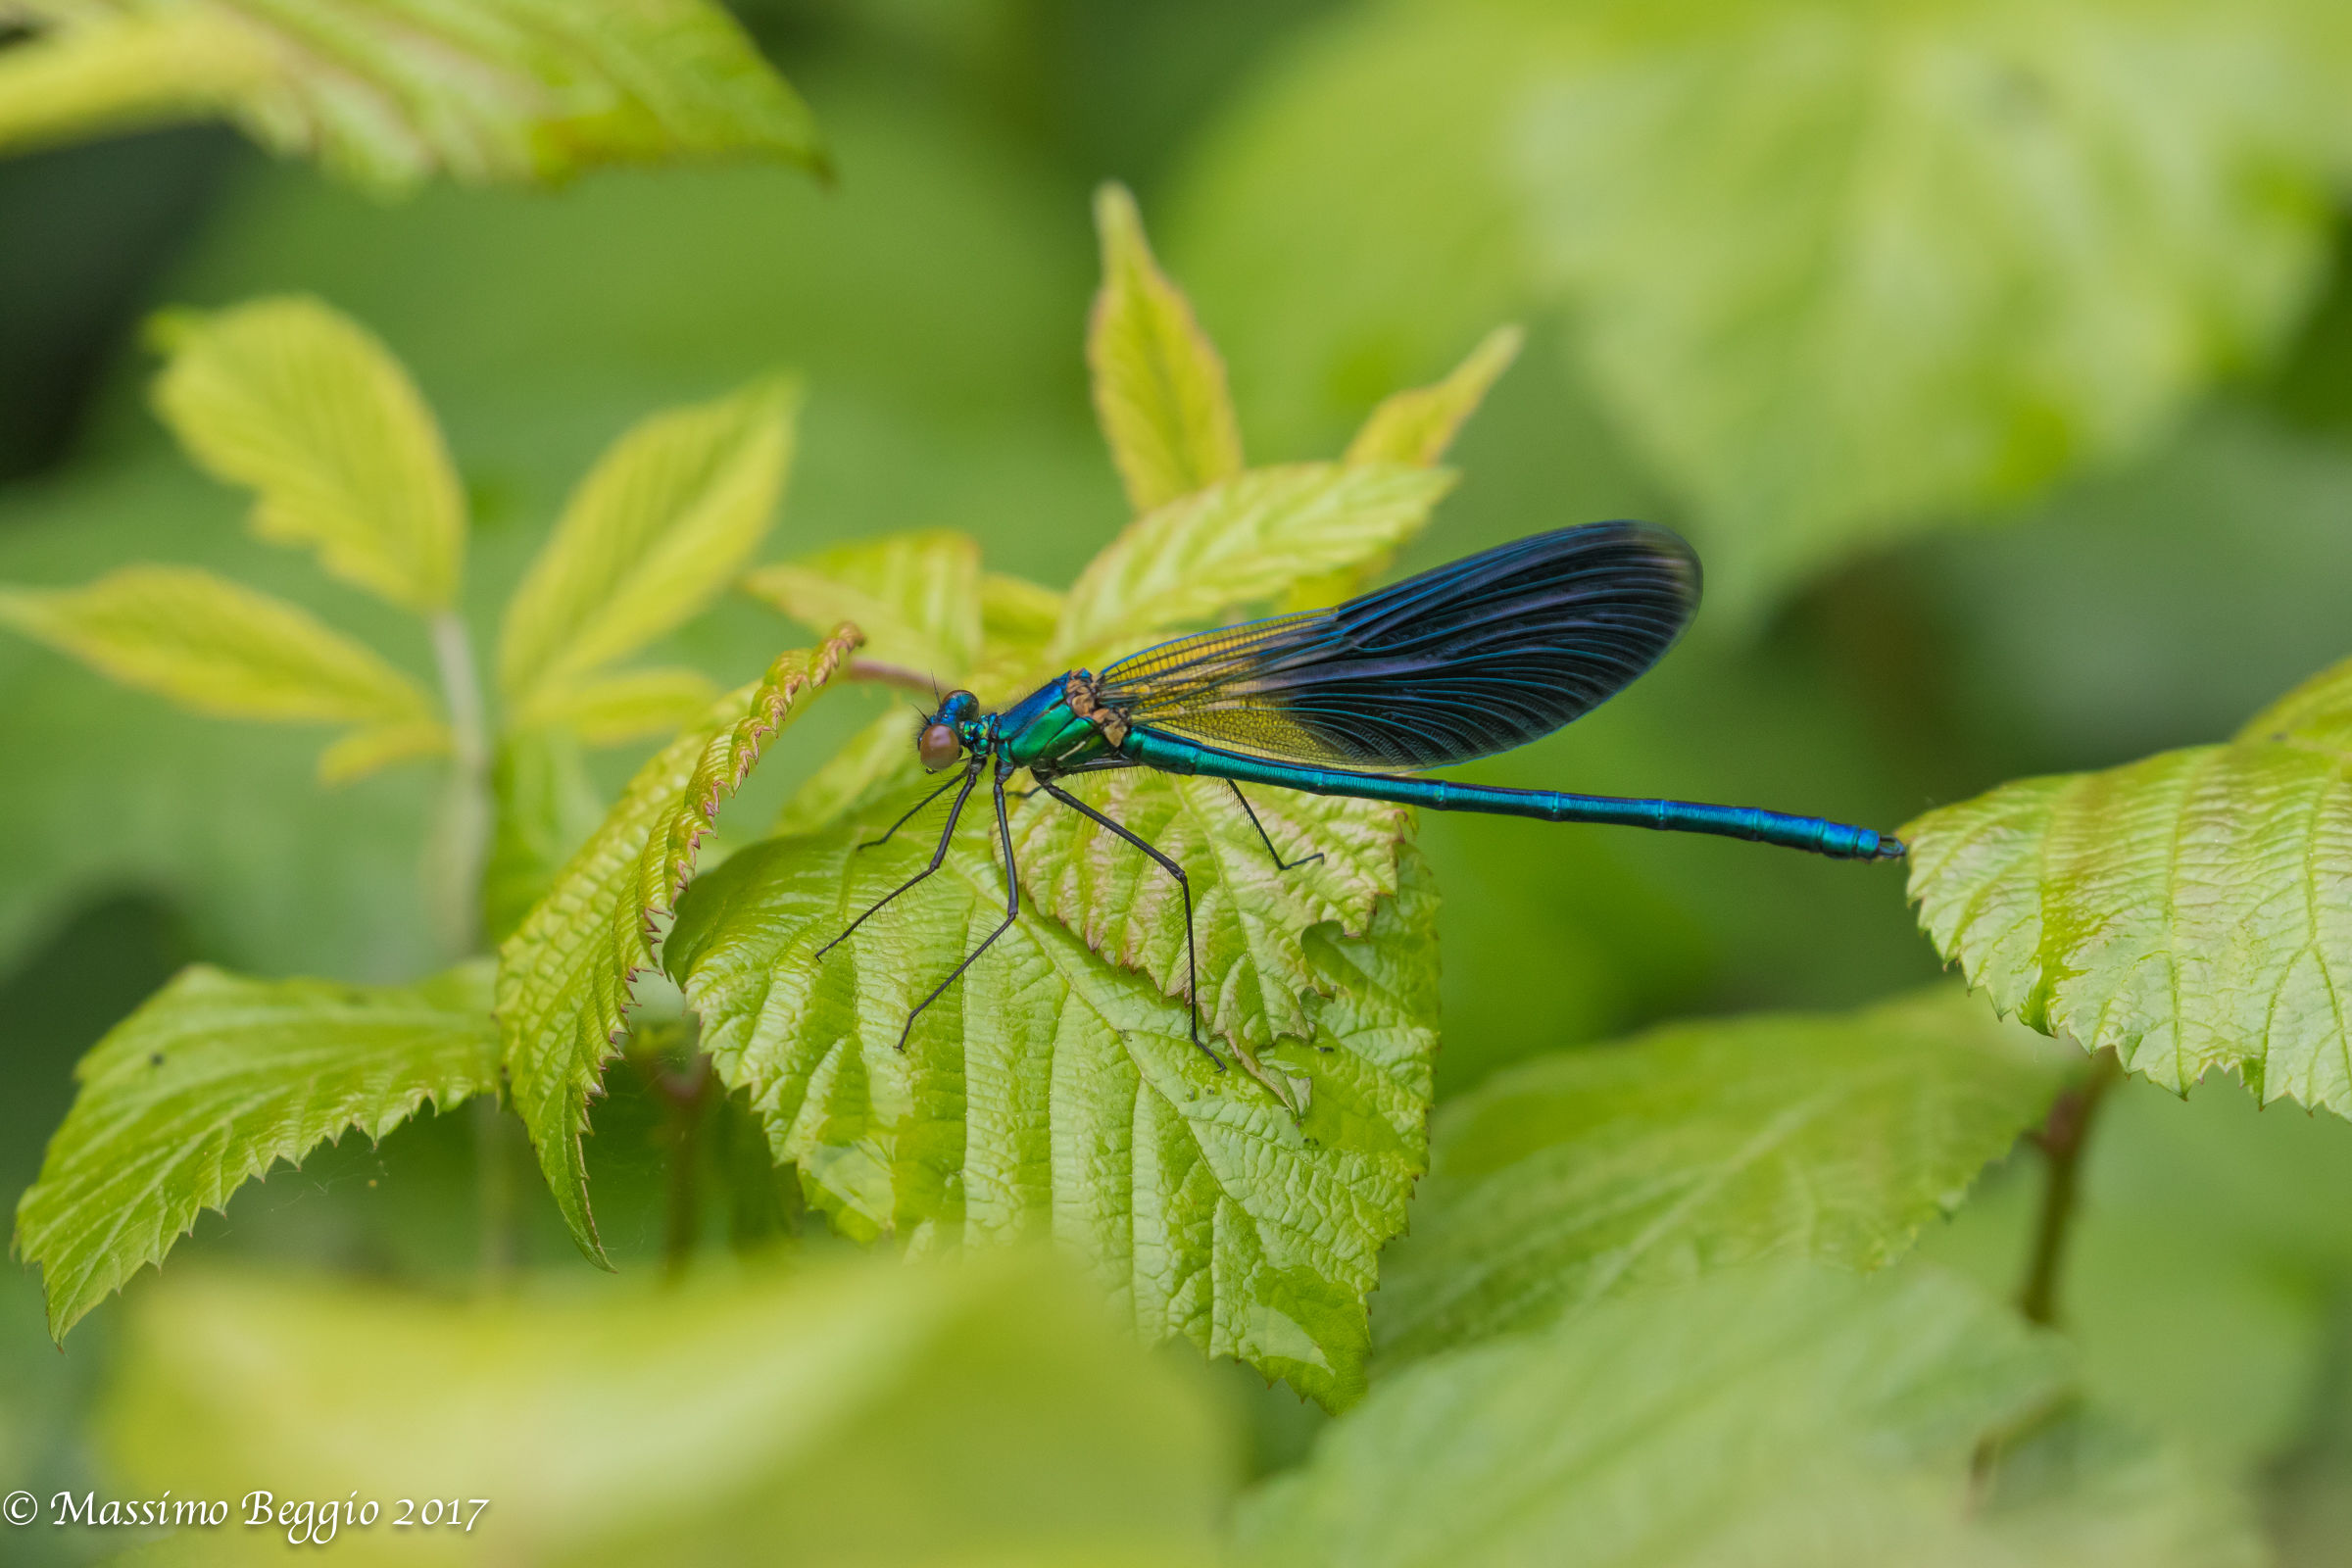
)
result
[(934, 301)]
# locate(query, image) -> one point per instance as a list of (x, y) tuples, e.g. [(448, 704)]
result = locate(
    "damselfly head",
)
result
[(941, 741)]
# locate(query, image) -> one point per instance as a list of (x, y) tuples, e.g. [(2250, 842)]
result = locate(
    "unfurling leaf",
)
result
[(917, 597), (663, 521), (984, 1416), (608, 709), (563, 977), (1257, 983), (1159, 387), (2188, 910), (1052, 1092), (1237, 543), (218, 647), (304, 407), (386, 92), (1777, 1418), (1586, 1173), (212, 1081), (1416, 427)]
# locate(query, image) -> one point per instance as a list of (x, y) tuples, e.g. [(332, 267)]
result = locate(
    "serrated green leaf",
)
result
[(1159, 387), (1248, 917), (215, 1079), (1417, 426), (1784, 1418), (304, 406), (608, 709), (545, 808), (1050, 1091), (917, 597), (564, 977), (218, 647), (1240, 542), (663, 521), (2186, 911), (1700, 1146), (387, 92), (938, 1417)]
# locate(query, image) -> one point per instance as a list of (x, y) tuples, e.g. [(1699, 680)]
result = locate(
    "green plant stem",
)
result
[(2062, 1137), (463, 844), (455, 862), (688, 1094)]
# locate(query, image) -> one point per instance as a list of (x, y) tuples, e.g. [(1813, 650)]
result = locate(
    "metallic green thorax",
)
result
[(1057, 728)]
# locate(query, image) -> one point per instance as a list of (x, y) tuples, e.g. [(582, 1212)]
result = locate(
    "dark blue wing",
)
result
[(1464, 660)]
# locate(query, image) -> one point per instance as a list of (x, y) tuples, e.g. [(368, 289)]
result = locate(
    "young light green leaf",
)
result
[(212, 1081), (913, 1416), (564, 977), (387, 92), (608, 709), (370, 751), (1782, 1418), (664, 520), (1159, 387), (917, 597), (1049, 1091), (1416, 427), (1017, 621), (1240, 542), (1586, 1173), (218, 647), (2186, 911), (307, 408), (124, 75), (1247, 915), (1817, 271), (546, 808)]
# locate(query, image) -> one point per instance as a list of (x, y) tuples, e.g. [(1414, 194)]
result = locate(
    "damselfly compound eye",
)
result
[(938, 748)]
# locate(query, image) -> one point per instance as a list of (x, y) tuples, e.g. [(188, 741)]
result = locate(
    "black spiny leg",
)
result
[(1012, 907), (875, 844), (1192, 971), (1279, 863), (971, 776)]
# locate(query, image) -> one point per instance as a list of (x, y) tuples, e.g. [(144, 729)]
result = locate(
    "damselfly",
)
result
[(1461, 662)]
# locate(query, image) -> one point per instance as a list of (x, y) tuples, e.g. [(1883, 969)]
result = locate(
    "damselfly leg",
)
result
[(1192, 972), (939, 857), (1012, 905), (1280, 865)]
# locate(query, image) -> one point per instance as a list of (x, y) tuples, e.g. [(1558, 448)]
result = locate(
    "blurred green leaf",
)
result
[(300, 402), (2185, 911), (1842, 275), (1248, 914), (1052, 1090), (564, 977), (958, 1416), (387, 92), (217, 646), (664, 520), (1417, 426), (1017, 621), (546, 808), (917, 597), (625, 706), (1159, 387), (877, 756), (1238, 542), (215, 1080), (1789, 1416), (1581, 1175)]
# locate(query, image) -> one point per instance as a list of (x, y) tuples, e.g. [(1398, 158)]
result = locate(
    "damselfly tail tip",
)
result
[(1891, 847)]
